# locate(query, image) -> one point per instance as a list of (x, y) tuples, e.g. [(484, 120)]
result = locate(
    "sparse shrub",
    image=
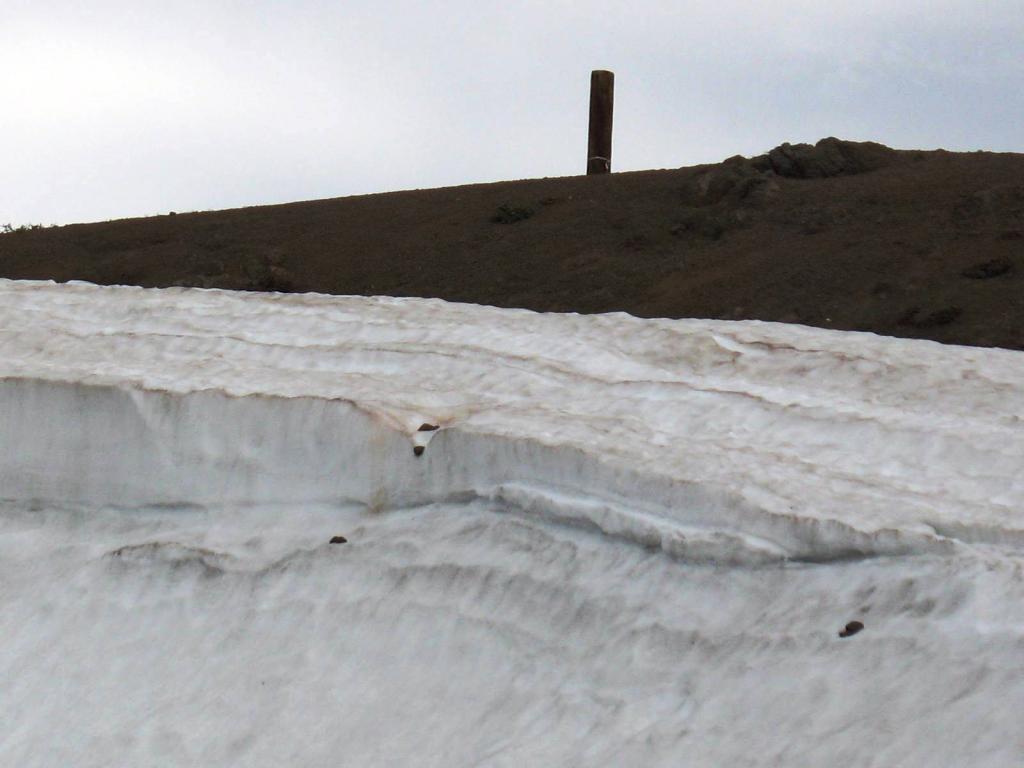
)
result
[(6, 229), (988, 269), (915, 318), (264, 273), (509, 214)]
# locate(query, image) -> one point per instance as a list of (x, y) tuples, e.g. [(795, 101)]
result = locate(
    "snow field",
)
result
[(630, 542)]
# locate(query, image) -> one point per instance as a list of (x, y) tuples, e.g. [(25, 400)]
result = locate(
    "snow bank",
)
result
[(750, 439), (174, 461)]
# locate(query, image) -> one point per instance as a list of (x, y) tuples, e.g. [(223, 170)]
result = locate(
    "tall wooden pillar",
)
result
[(599, 145)]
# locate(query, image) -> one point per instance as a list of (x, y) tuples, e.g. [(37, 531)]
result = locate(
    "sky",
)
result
[(112, 109)]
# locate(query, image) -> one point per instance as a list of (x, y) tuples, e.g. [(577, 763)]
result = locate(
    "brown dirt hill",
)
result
[(838, 235)]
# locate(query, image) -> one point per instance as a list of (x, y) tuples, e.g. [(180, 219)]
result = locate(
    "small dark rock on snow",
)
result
[(851, 629), (338, 540)]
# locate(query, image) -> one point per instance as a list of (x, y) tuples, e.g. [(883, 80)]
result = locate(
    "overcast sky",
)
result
[(110, 108)]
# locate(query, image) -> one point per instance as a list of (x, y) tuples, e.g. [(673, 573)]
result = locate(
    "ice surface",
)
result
[(631, 542)]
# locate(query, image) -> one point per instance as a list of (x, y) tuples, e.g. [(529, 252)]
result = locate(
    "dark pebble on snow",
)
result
[(851, 629)]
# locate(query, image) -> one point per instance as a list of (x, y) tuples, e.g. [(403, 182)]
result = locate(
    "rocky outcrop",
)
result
[(721, 197), (829, 157)]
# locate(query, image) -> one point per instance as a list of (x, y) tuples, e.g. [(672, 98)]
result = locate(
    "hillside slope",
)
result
[(840, 235)]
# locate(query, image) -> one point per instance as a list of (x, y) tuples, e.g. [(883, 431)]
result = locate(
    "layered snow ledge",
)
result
[(712, 440), (175, 463)]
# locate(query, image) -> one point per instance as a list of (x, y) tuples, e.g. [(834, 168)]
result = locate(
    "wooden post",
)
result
[(599, 145)]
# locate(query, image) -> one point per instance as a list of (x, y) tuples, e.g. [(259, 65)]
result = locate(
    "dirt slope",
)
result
[(839, 235)]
